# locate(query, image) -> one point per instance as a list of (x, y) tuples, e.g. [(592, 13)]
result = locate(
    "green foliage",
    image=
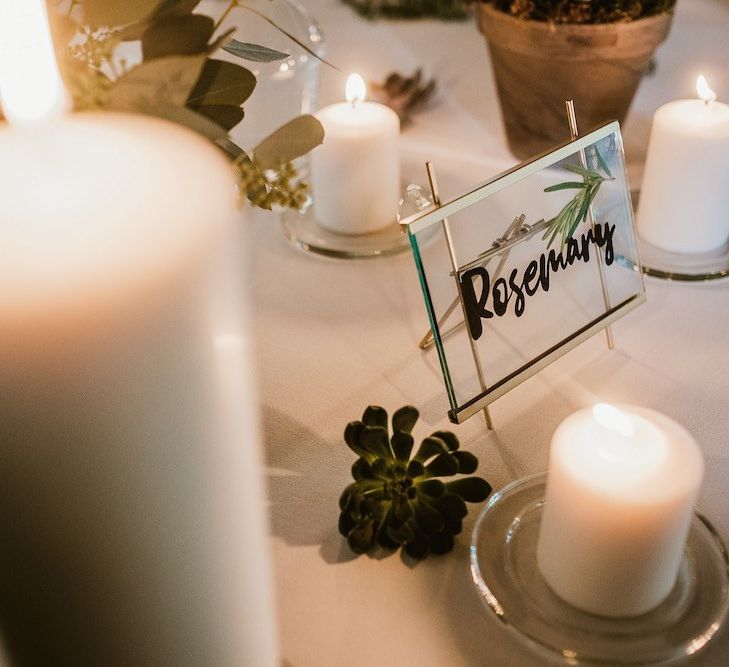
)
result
[(577, 209), (397, 498), (583, 11), (254, 52), (290, 141), (178, 80), (109, 13), (448, 10)]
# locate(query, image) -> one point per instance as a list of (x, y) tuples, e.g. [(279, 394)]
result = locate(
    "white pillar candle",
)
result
[(132, 517), (684, 198), (621, 488), (356, 172)]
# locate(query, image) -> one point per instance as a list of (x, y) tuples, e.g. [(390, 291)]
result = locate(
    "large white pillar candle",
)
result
[(684, 198), (355, 174), (621, 489), (132, 521)]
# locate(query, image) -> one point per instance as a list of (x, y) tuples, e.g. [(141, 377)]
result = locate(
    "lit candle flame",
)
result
[(355, 89), (703, 89), (609, 417), (30, 83)]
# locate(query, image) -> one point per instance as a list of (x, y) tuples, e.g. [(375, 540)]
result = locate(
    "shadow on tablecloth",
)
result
[(302, 491)]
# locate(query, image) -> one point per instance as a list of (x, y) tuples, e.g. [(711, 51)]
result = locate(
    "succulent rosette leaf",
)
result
[(399, 498)]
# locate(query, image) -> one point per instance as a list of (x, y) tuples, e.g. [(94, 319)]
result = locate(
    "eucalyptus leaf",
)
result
[(291, 36), (175, 8), (225, 116), (156, 83), (112, 13), (254, 52), (222, 83), (221, 39), (177, 36), (290, 141), (188, 118), (233, 151)]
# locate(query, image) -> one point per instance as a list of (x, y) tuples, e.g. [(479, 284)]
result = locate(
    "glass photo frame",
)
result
[(527, 266)]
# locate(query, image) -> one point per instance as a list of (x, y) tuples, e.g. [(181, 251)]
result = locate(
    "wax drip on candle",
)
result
[(30, 83), (704, 90), (355, 89)]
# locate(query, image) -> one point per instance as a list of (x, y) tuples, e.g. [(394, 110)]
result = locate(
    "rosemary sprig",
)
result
[(575, 211)]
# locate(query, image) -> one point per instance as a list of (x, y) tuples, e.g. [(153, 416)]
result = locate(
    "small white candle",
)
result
[(356, 172), (621, 488), (132, 511), (684, 198)]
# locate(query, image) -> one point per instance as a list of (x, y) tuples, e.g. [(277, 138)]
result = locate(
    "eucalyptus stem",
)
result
[(231, 6), (294, 39)]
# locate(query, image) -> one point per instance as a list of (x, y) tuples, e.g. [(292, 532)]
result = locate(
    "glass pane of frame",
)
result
[(545, 256)]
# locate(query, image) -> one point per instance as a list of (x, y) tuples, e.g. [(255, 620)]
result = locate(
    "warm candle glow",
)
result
[(703, 89), (30, 84), (609, 417), (355, 89)]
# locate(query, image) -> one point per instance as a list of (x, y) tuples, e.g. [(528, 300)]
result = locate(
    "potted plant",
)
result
[(544, 52)]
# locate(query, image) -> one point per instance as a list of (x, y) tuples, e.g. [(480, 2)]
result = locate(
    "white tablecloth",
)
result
[(333, 337)]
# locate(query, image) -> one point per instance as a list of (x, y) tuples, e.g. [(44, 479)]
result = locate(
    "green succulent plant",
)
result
[(398, 499)]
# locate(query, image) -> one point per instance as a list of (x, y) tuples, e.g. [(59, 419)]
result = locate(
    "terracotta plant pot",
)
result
[(539, 65)]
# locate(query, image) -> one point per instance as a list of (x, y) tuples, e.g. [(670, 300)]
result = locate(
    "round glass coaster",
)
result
[(504, 569), (304, 231), (675, 266)]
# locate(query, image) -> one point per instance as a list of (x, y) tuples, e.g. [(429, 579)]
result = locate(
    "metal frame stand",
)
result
[(514, 233)]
